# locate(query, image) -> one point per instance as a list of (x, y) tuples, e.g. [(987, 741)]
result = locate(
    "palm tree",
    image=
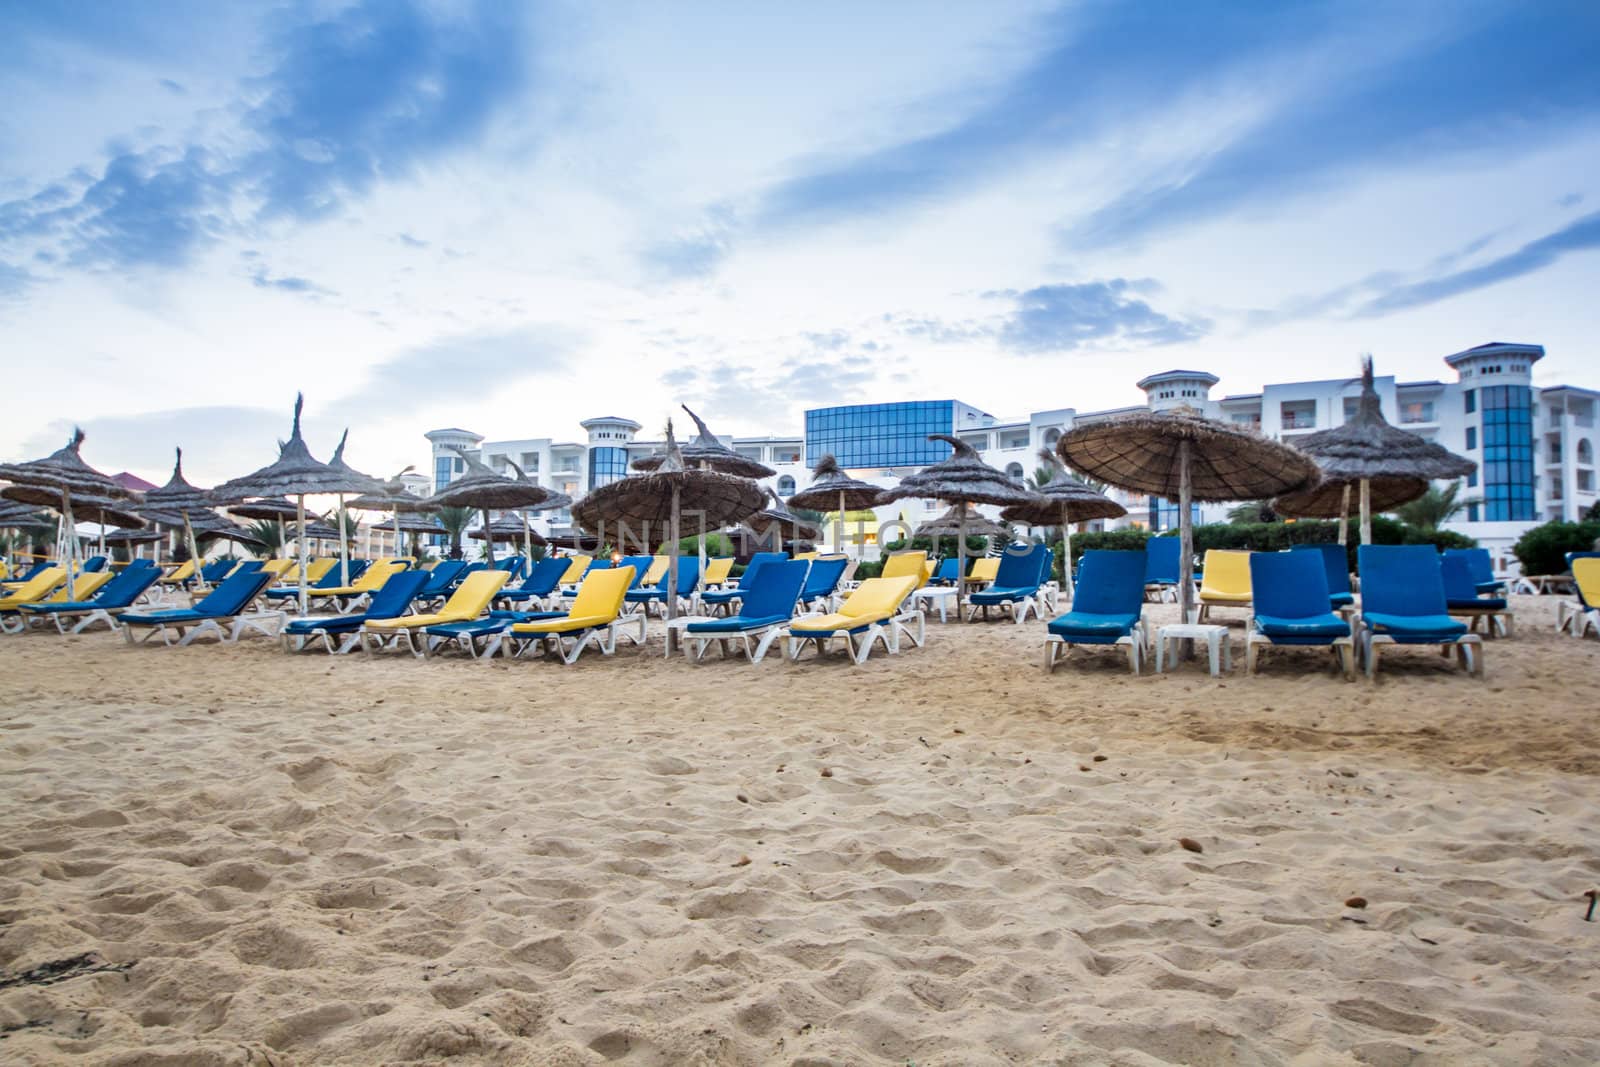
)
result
[(1042, 476), (455, 522), (1434, 508), (271, 535), (1252, 511)]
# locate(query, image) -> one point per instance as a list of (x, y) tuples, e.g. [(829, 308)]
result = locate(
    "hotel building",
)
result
[(1535, 446)]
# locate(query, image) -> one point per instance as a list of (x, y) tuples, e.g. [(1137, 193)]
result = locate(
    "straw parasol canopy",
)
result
[(960, 478), (294, 473), (508, 530), (98, 509), (961, 520), (1180, 455), (1331, 499), (267, 509), (707, 450), (54, 480), (14, 516), (131, 537), (1366, 449), (318, 530), (660, 497), (790, 526), (832, 489), (487, 491), (180, 498), (1064, 500)]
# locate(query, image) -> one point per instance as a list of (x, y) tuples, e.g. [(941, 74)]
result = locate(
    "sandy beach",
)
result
[(941, 858)]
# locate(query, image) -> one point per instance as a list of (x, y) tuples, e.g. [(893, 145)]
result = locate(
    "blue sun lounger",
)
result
[(725, 597), (1016, 584), (226, 604), (1403, 603), (1463, 602), (1161, 567), (439, 581), (688, 579), (542, 583), (822, 583), (114, 598), (1336, 571), (330, 580), (1480, 567), (392, 600), (765, 608), (1292, 607), (1107, 608)]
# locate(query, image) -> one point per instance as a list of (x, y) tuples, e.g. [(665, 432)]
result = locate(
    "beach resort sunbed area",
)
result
[(228, 855)]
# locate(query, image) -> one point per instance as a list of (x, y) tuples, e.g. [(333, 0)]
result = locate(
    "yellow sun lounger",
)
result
[(907, 564), (717, 572), (872, 612), (1224, 581), (596, 616), (183, 573), (38, 590), (655, 572), (983, 571), (470, 599), (366, 585), (1585, 613), (278, 568)]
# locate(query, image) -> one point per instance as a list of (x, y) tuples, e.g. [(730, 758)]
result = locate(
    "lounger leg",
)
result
[(764, 644), (1344, 649), (1050, 646), (1252, 654)]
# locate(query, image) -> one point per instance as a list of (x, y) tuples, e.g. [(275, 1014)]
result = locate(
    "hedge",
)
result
[(1276, 536), (1543, 549)]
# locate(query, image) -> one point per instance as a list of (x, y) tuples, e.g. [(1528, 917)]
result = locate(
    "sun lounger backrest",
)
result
[(1401, 580), (1288, 585), (1226, 571), (1019, 567), (718, 569), (1572, 566), (545, 577), (757, 561), (437, 582), (474, 594), (234, 594), (688, 575), (640, 565), (1335, 564), (1586, 575), (375, 576), (1161, 559), (1110, 582), (1456, 574), (905, 564), (126, 587), (39, 585), (878, 596), (946, 571), (824, 577), (576, 565), (602, 593), (1480, 568), (392, 600), (94, 563), (656, 573), (85, 586), (773, 588)]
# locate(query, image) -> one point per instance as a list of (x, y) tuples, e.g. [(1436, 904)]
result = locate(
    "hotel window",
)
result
[(880, 435), (1472, 479), (1352, 404), (1014, 471), (441, 472), (1164, 514), (1472, 438), (1585, 452), (530, 462), (786, 486), (1472, 513), (1416, 411), (1586, 481), (607, 465), (1470, 399)]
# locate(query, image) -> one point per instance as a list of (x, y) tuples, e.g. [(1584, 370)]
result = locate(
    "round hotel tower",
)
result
[(609, 437), (1173, 388)]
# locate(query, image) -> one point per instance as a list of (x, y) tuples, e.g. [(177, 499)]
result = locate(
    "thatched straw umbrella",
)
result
[(268, 509), (777, 521), (708, 452), (180, 498), (20, 517), (831, 487), (372, 485), (294, 473), (958, 520), (508, 530), (1178, 454), (395, 499), (1064, 499), (53, 481), (416, 526), (1367, 448), (482, 488), (104, 513), (660, 497), (961, 478), (1330, 499)]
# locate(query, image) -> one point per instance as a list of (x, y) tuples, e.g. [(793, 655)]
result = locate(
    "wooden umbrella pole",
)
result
[(961, 556), (399, 549), (344, 545), (672, 570), (194, 552), (1344, 515), (1066, 551), (527, 543), (1366, 511), (488, 538), (300, 544), (841, 523), (1185, 543), (70, 530)]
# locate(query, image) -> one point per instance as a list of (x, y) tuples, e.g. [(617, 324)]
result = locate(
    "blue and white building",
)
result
[(1535, 446)]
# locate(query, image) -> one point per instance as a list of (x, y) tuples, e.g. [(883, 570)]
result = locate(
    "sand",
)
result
[(940, 858)]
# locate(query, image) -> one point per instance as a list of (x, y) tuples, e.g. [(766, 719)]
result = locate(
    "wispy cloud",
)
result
[(367, 94), (287, 283)]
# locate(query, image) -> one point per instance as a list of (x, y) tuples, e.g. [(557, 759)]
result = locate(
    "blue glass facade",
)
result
[(1164, 514), (441, 472), (607, 465), (880, 435), (1508, 485)]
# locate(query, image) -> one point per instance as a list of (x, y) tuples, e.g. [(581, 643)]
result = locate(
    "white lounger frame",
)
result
[(768, 634), (1137, 645), (1468, 649), (265, 623), (1343, 648), (604, 638), (889, 630), (1017, 608)]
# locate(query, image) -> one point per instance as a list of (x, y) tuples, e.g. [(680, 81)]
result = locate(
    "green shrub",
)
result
[(976, 546), (717, 545), (1543, 549), (869, 568)]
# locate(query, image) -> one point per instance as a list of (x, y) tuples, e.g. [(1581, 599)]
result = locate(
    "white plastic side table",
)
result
[(1215, 637)]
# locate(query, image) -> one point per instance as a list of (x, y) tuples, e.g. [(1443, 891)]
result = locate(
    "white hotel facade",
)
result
[(1535, 446)]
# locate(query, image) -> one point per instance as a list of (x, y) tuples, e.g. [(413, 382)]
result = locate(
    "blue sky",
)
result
[(511, 216)]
